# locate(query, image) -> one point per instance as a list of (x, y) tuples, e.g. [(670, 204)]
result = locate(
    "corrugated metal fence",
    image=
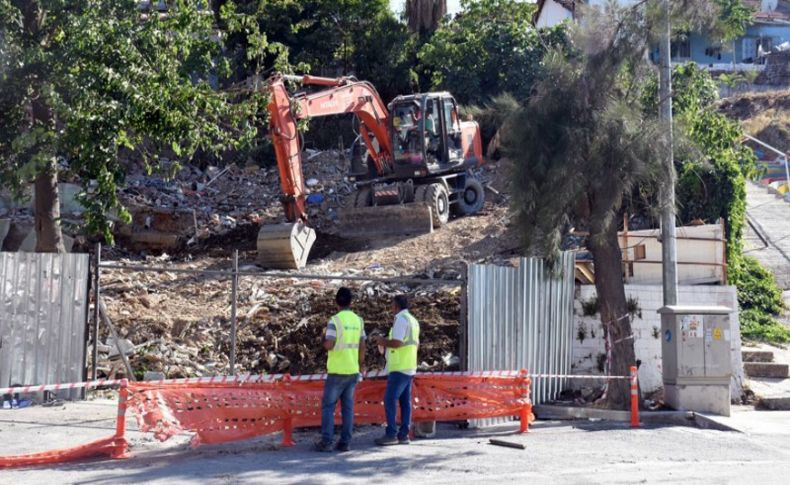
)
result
[(522, 318), (43, 308)]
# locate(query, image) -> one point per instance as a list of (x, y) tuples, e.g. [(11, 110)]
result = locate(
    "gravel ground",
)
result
[(557, 452)]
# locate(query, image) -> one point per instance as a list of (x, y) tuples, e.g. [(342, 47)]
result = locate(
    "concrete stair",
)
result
[(766, 369), (757, 356), (770, 377)]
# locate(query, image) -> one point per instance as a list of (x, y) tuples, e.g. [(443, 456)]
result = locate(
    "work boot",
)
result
[(342, 447), (386, 441), (322, 445)]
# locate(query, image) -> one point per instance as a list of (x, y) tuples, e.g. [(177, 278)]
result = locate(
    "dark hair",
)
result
[(402, 302), (343, 297)]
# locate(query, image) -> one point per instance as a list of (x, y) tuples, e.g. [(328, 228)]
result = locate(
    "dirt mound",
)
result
[(179, 325), (747, 106)]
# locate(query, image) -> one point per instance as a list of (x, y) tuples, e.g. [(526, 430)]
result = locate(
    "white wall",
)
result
[(647, 329), (708, 253), (552, 14)]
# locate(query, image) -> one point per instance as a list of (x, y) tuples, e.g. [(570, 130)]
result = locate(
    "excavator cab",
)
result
[(427, 136)]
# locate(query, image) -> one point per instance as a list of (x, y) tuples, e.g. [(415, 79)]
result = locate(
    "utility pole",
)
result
[(669, 253)]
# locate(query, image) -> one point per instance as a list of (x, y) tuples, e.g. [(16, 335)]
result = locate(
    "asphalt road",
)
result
[(556, 452)]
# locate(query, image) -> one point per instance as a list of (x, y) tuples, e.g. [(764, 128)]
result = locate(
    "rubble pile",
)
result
[(196, 204), (180, 325)]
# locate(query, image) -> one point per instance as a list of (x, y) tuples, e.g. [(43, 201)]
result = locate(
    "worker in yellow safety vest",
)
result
[(344, 340), (401, 348)]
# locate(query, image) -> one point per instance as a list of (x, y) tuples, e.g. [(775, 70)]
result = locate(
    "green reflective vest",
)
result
[(344, 356), (404, 358)]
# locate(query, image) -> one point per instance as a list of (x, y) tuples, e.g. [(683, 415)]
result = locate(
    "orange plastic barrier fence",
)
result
[(111, 446), (219, 413), (236, 410), (114, 446)]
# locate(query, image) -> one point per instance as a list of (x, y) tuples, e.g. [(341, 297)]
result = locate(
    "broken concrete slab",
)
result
[(67, 193), (556, 412), (28, 244), (158, 228), (125, 344), (153, 376), (17, 233)]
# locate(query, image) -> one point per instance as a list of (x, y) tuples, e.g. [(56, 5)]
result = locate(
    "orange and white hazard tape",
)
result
[(241, 379)]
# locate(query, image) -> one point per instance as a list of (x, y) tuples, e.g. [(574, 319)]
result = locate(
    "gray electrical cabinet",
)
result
[(696, 357)]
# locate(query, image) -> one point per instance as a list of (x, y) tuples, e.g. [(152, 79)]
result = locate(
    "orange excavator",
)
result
[(411, 163)]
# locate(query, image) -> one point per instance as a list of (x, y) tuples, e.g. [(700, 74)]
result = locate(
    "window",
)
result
[(749, 46), (681, 48)]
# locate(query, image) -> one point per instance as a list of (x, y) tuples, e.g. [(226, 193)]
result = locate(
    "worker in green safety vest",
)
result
[(401, 347), (344, 340)]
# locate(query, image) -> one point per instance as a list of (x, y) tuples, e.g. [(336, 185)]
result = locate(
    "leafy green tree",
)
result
[(712, 185), (83, 82), (489, 48), (330, 38), (579, 145), (587, 140)]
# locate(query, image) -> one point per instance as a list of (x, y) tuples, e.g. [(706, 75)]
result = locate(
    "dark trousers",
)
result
[(338, 387), (398, 392)]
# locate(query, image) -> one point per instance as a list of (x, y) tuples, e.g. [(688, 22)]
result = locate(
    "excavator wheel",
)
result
[(437, 198), (471, 200)]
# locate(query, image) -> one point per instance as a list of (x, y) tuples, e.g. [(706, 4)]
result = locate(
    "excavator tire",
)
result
[(437, 198), (471, 200)]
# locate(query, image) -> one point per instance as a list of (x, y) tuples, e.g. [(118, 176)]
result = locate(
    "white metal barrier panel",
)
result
[(43, 309), (522, 318)]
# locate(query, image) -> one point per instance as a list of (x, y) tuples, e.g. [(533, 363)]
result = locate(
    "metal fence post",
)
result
[(96, 295), (463, 321), (234, 291)]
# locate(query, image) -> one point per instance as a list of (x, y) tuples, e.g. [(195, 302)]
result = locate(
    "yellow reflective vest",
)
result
[(404, 358), (344, 356)]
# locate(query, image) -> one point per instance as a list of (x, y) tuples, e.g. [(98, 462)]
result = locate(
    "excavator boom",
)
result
[(287, 246)]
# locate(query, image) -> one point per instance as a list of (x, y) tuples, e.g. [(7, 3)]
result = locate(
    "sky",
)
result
[(453, 6)]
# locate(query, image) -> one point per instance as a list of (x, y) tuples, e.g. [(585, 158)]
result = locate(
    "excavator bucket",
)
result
[(386, 220), (285, 246)]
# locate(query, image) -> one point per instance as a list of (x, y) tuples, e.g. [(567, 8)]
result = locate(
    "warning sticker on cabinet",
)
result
[(691, 326)]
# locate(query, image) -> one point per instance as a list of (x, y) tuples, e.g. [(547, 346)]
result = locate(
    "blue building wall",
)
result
[(699, 44)]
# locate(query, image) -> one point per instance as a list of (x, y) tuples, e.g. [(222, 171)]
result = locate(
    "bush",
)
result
[(756, 325), (757, 289), (759, 298)]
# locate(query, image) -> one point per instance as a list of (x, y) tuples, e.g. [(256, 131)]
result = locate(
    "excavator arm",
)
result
[(342, 96), (288, 245)]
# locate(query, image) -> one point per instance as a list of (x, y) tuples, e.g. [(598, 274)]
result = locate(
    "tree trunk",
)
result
[(49, 238), (612, 305), (424, 16)]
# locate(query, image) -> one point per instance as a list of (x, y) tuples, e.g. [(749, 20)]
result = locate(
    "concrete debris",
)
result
[(178, 324), (213, 202)]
